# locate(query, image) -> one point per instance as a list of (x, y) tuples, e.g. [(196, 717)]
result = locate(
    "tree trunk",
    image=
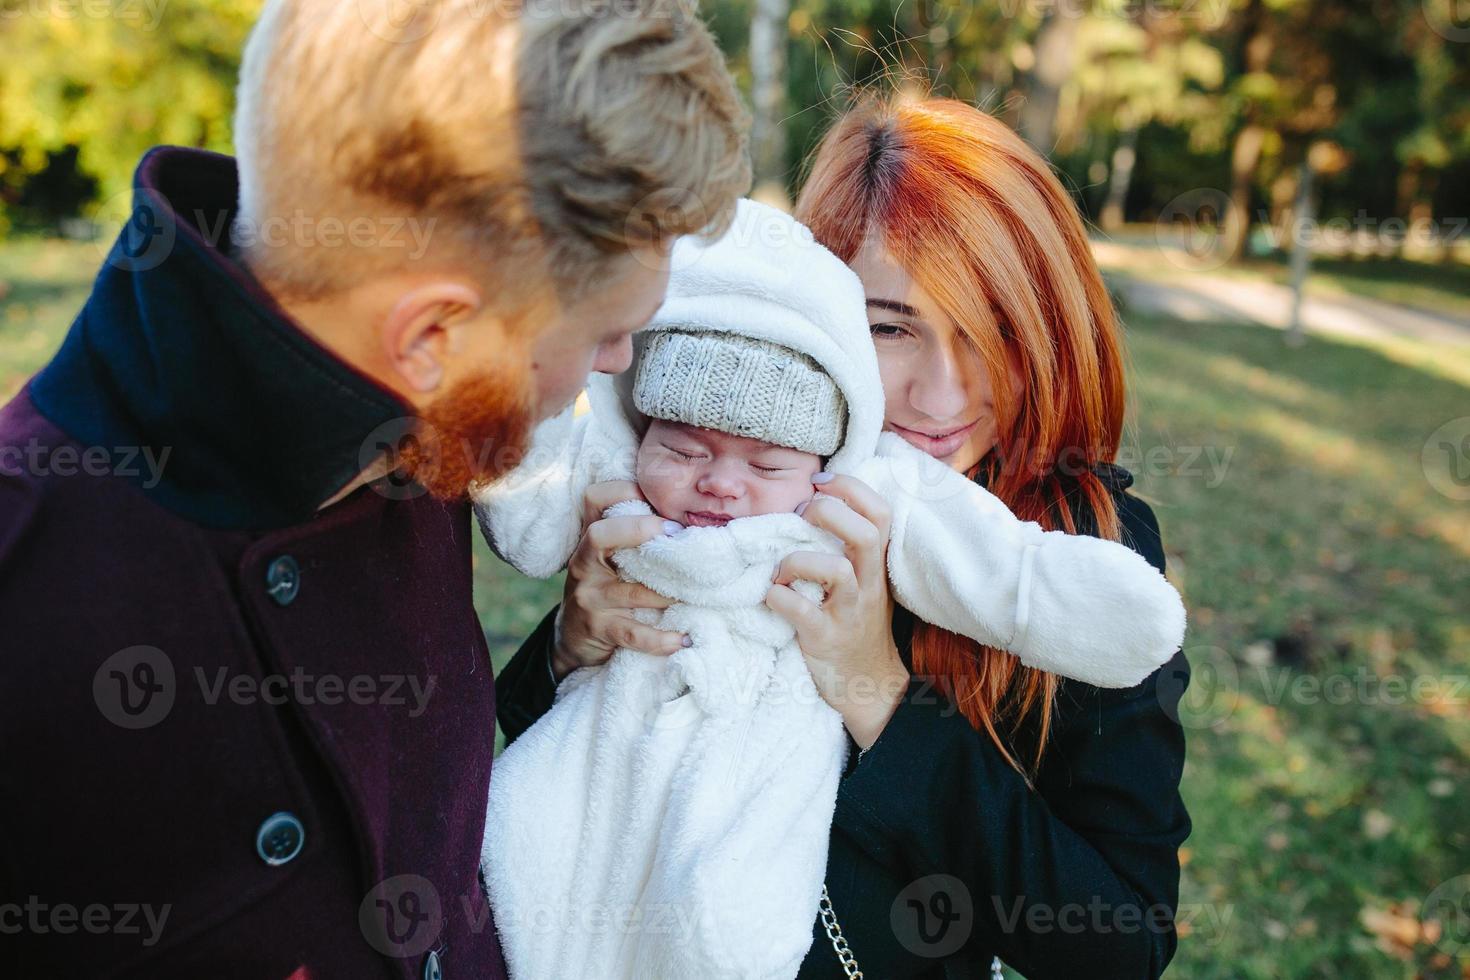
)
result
[(1054, 44), (1243, 161), (1125, 154), (1304, 213), (768, 97), (1256, 46)]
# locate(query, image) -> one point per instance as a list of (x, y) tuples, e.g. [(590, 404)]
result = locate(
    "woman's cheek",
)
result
[(893, 374)]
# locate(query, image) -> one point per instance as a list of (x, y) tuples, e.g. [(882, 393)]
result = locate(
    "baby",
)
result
[(705, 478), (684, 803), (737, 426)]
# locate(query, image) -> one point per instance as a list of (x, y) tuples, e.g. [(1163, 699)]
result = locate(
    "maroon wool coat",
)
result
[(241, 737)]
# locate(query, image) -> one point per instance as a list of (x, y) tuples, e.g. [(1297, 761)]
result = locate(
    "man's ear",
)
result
[(424, 330)]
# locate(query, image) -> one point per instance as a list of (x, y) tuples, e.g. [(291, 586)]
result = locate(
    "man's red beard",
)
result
[(474, 433)]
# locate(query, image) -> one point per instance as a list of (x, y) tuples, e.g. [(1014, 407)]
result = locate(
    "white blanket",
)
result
[(669, 817)]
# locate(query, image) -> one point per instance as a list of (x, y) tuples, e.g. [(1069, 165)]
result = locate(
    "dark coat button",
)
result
[(279, 838), (433, 969), (283, 580)]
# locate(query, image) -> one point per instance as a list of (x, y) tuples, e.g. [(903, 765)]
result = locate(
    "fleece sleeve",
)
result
[(1072, 605)]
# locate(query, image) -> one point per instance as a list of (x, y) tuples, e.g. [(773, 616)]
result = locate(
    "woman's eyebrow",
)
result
[(894, 306)]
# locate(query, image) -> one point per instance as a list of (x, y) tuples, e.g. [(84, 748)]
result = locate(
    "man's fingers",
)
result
[(600, 496), (626, 631)]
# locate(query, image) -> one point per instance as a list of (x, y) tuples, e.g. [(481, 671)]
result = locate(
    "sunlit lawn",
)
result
[(1312, 549), (1323, 556)]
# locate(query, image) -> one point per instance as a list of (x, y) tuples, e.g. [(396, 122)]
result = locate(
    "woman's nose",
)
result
[(938, 389)]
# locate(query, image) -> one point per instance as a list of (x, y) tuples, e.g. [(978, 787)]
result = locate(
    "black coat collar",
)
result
[(180, 350)]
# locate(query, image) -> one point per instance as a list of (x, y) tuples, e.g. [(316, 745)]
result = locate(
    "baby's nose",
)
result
[(718, 484)]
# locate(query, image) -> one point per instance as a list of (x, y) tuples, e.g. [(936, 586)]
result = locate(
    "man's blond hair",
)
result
[(515, 138)]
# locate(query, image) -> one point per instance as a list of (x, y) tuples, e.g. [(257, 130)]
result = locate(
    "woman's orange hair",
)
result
[(981, 223)]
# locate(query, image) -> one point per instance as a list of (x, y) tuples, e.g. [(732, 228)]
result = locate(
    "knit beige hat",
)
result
[(742, 386)]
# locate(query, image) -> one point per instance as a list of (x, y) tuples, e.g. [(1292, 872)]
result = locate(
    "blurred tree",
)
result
[(1054, 56), (1136, 102), (769, 38), (109, 82), (1130, 72)]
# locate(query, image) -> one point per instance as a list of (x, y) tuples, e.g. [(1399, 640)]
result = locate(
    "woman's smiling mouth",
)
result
[(944, 442)]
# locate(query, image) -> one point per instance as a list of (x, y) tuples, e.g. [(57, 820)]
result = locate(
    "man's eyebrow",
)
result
[(894, 306)]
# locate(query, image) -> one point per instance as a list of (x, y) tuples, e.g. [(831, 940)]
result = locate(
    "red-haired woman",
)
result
[(991, 810)]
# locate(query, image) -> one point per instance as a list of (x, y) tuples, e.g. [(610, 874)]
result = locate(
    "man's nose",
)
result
[(614, 357)]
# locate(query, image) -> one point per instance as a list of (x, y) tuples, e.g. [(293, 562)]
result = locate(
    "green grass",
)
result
[(1441, 288), (43, 283), (1324, 536), (1297, 515)]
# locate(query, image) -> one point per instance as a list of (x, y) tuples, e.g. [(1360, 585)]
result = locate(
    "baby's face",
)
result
[(700, 477)]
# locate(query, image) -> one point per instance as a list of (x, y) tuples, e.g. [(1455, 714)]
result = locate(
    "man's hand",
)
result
[(596, 614)]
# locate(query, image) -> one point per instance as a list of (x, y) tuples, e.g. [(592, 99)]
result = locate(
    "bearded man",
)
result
[(246, 706)]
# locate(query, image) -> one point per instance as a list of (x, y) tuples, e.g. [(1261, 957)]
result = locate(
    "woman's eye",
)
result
[(888, 331)]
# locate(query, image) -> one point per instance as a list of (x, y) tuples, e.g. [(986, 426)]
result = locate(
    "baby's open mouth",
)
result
[(704, 518)]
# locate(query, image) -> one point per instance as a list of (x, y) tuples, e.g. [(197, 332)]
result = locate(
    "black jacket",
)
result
[(941, 856)]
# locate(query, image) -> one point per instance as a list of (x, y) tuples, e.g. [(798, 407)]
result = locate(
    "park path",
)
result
[(1202, 296)]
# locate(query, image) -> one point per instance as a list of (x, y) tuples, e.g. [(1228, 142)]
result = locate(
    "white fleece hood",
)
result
[(768, 279), (1073, 605)]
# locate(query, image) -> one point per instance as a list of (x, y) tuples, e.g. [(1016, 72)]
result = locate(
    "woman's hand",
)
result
[(596, 615), (848, 639)]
